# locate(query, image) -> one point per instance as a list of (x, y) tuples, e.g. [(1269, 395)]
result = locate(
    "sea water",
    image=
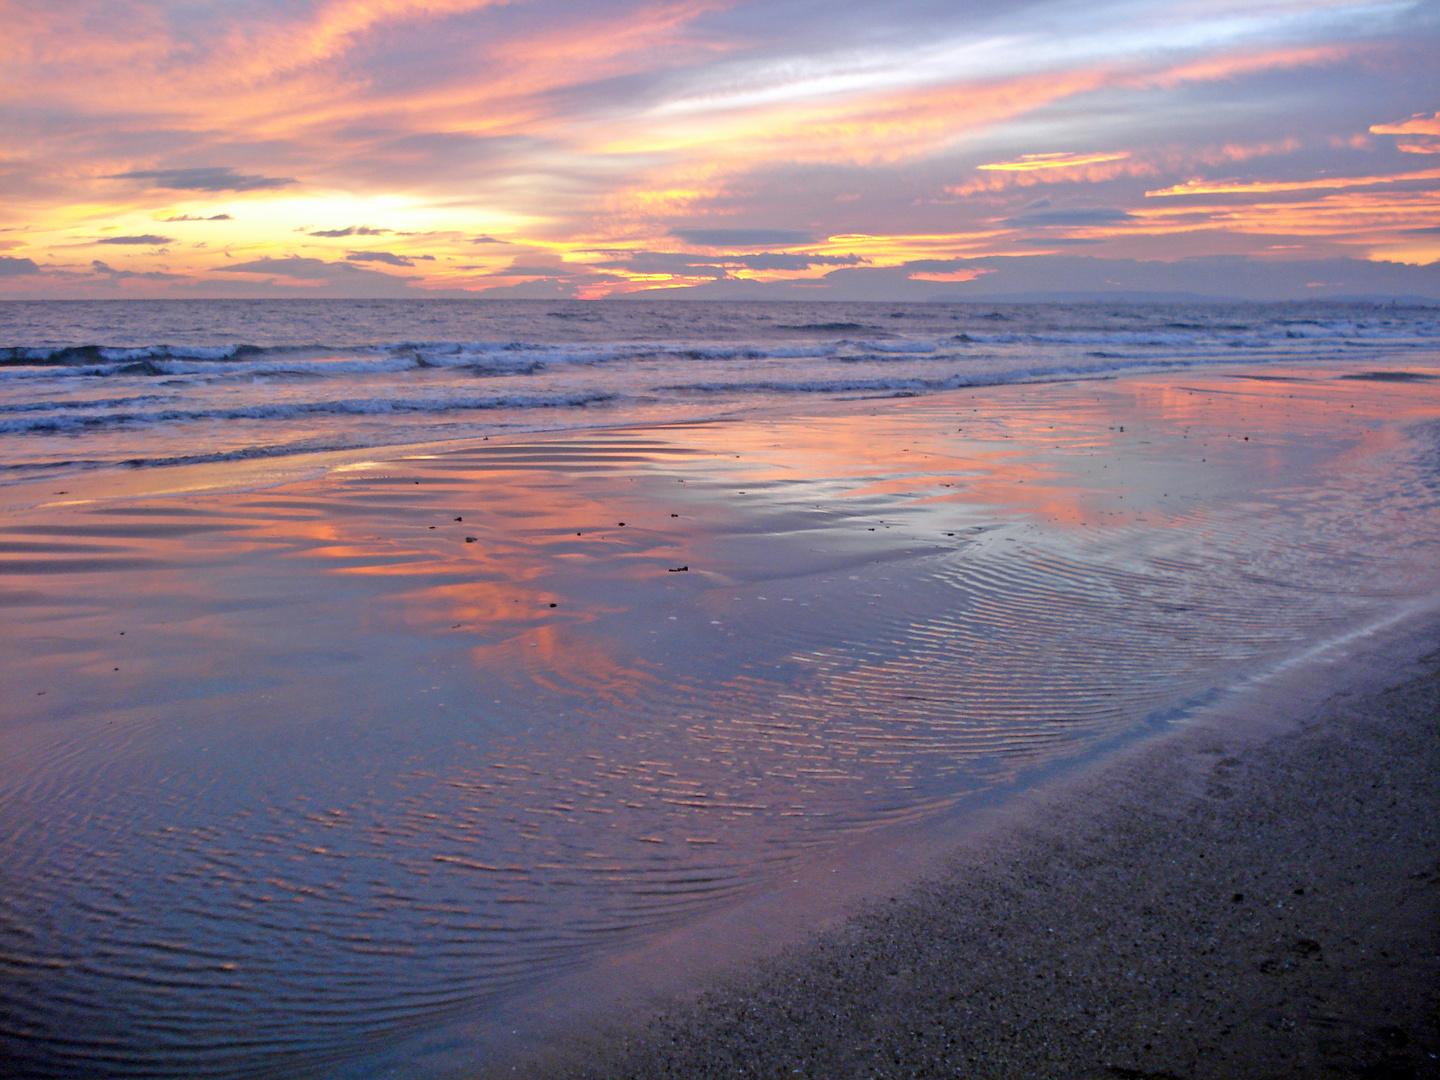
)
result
[(86, 384), (575, 623)]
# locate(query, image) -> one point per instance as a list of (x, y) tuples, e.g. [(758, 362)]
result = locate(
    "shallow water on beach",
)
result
[(294, 772)]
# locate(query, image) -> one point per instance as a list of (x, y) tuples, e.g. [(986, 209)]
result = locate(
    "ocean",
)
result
[(376, 669), (87, 384)]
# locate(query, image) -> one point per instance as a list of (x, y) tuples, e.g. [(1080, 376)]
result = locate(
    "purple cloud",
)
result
[(204, 179), (388, 257), (147, 275), (351, 230), (144, 238), (14, 267), (1077, 217)]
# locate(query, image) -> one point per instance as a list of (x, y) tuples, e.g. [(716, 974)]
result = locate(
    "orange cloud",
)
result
[(1380, 223), (953, 275), (1109, 167), (1071, 174), (850, 129), (1252, 187), (1419, 124), (1214, 155), (1423, 132), (1031, 162), (1214, 69)]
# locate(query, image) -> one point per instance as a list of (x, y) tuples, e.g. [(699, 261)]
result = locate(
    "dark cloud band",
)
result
[(205, 179)]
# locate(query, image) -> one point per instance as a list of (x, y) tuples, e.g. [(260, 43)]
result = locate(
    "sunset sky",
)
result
[(718, 148)]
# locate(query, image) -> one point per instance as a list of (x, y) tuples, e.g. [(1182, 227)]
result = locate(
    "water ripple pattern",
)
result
[(297, 770)]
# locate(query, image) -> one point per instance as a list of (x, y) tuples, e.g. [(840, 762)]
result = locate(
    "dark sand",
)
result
[(1230, 902)]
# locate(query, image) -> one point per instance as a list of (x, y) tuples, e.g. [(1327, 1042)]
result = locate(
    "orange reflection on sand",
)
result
[(497, 607), (909, 465), (584, 667), (1099, 455)]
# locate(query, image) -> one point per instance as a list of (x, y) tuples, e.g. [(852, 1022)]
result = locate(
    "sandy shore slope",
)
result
[(1224, 904)]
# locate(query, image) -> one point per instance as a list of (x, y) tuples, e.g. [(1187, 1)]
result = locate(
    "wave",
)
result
[(92, 403), (452, 374), (72, 421), (482, 358), (507, 356), (73, 355), (1058, 372)]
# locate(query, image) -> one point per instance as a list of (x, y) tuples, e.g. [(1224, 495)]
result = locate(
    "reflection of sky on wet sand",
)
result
[(355, 771)]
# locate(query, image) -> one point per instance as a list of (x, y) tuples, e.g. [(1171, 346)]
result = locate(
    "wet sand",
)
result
[(1256, 897), (417, 763)]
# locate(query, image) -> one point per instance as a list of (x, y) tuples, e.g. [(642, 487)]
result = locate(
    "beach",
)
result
[(446, 758), (1226, 904), (557, 540)]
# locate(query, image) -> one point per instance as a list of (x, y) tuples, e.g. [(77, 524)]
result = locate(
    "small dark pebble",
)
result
[(432, 526), (459, 519), (674, 515), (1306, 947), (622, 523), (469, 539), (1239, 896), (554, 605), (678, 569)]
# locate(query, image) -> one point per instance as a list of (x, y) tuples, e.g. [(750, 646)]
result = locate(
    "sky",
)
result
[(727, 149)]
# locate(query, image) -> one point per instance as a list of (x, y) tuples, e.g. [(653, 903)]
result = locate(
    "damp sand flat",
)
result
[(400, 743), (1229, 903)]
